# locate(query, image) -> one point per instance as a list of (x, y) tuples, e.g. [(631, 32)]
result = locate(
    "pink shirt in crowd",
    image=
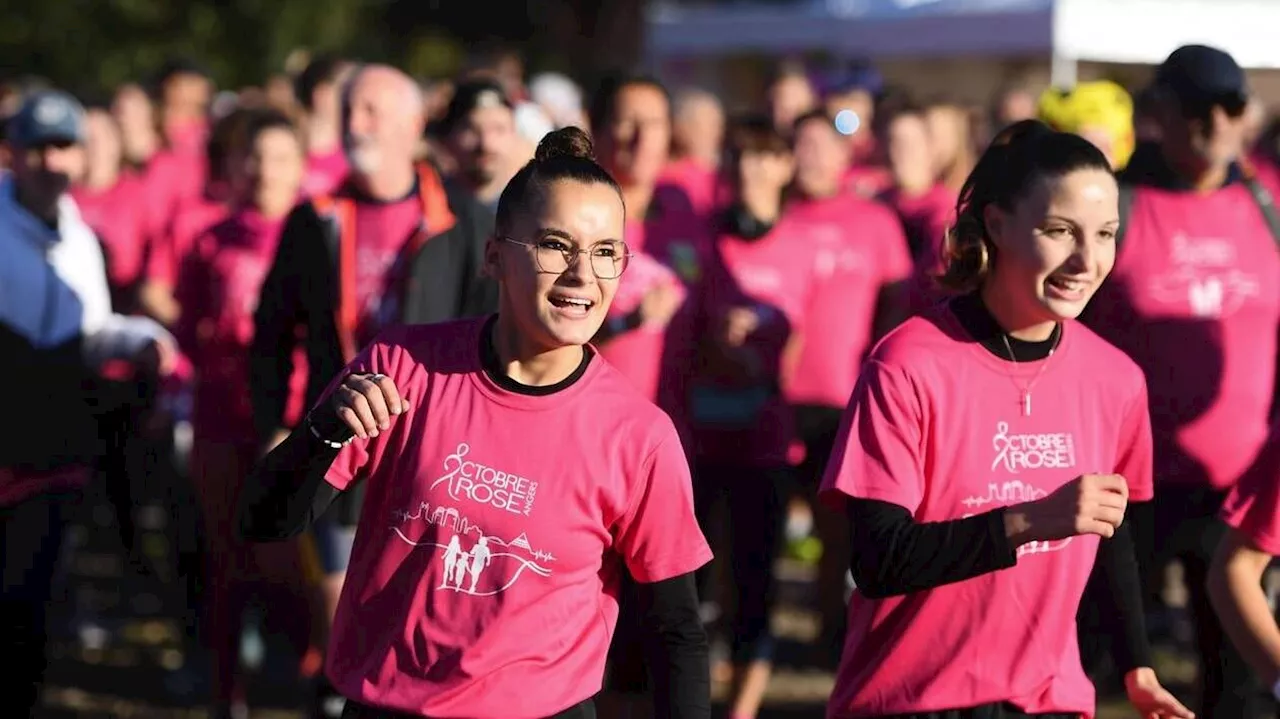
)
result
[(117, 215), (383, 230), (1253, 507), (858, 248), (925, 219), (741, 418), (325, 173), (219, 286), (191, 217), (1195, 300), (935, 426), (637, 354), (699, 183), (484, 578)]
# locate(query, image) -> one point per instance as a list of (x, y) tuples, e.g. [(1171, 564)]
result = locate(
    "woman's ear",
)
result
[(492, 258), (996, 222)]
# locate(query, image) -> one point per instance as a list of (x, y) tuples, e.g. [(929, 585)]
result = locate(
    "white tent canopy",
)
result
[(1123, 31)]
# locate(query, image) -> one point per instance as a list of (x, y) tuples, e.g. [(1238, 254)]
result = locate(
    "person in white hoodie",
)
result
[(57, 328)]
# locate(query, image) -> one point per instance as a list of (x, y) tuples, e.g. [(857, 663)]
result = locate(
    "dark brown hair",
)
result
[(564, 154), (1019, 155)]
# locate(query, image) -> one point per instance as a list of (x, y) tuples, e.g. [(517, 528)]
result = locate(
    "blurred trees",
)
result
[(89, 45)]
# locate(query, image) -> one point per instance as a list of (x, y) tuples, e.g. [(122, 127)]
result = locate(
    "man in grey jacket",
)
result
[(57, 328)]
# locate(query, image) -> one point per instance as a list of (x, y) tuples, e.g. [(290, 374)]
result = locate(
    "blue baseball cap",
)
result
[(1202, 74), (47, 117)]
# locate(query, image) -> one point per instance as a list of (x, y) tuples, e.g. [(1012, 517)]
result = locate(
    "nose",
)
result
[(579, 271)]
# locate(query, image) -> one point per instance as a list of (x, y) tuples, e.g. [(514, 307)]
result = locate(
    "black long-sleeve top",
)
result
[(287, 491), (894, 555)]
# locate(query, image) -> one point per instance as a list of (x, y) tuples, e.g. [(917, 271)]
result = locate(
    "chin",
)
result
[(570, 332), (1063, 309)]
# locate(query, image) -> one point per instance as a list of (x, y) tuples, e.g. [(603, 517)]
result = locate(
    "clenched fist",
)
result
[(365, 404), (1088, 504)]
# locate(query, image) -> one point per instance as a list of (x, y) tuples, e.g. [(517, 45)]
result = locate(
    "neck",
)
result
[(1016, 326), (1210, 178), (323, 136), (636, 199), (103, 178), (823, 193), (764, 204), (912, 188), (528, 365), (274, 207), (389, 184)]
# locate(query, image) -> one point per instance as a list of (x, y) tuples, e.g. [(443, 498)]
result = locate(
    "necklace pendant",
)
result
[(1026, 404)]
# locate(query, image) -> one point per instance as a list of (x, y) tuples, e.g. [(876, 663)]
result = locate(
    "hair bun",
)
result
[(571, 142)]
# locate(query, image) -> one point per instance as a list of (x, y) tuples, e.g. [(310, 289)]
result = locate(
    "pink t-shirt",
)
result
[(859, 249), (172, 178), (325, 173), (680, 240), (925, 219), (936, 426), (191, 218), (1253, 506), (737, 411), (638, 354), (867, 180), (698, 183), (383, 229), (219, 285), (118, 216), (484, 575), (1195, 300)]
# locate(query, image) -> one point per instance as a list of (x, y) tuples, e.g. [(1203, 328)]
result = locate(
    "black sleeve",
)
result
[(1121, 586), (676, 645), (275, 324), (894, 555), (286, 490)]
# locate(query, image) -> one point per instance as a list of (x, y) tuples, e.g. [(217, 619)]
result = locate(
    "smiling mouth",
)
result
[(571, 303), (1067, 285)]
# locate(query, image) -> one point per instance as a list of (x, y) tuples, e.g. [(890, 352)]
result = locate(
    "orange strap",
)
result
[(437, 218)]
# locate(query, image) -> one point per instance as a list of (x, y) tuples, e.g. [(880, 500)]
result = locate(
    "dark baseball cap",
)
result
[(1199, 74), (47, 117)]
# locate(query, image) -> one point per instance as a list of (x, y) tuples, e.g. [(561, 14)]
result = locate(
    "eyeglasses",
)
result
[(608, 259)]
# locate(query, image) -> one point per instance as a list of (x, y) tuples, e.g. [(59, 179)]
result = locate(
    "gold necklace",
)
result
[(1025, 399)]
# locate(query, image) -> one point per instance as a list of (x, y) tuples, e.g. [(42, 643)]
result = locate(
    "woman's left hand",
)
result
[(1152, 700)]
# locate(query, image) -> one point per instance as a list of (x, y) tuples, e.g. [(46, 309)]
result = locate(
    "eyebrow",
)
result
[(546, 232), (1069, 221)]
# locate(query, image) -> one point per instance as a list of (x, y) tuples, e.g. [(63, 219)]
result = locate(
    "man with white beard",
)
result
[(391, 245)]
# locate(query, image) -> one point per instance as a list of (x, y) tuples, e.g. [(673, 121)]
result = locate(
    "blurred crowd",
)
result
[(265, 234)]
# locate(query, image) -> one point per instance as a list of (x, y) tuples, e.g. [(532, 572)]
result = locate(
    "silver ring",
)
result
[(376, 376)]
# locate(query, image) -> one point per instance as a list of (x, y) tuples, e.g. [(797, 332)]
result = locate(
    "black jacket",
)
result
[(300, 296)]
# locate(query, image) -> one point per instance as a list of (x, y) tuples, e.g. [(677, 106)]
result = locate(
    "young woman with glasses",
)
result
[(989, 444), (512, 477)]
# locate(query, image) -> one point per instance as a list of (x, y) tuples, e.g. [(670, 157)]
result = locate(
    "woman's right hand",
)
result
[(367, 403), (1088, 504)]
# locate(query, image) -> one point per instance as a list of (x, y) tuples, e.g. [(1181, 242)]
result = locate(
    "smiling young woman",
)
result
[(513, 477), (976, 513)]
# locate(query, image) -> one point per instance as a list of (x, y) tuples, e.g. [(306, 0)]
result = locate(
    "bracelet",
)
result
[(327, 442)]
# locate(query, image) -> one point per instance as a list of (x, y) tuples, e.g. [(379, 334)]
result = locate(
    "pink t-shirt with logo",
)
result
[(742, 418), (858, 248), (1253, 506), (220, 281), (1195, 300), (936, 426), (325, 173), (383, 229), (495, 527), (118, 216), (637, 354)]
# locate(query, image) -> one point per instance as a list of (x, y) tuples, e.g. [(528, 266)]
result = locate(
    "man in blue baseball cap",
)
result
[(57, 328), (1191, 299)]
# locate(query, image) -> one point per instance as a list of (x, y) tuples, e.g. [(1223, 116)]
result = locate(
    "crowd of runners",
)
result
[(511, 393)]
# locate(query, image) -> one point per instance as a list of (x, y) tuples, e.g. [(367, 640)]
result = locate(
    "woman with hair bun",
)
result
[(512, 477), (987, 457)]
